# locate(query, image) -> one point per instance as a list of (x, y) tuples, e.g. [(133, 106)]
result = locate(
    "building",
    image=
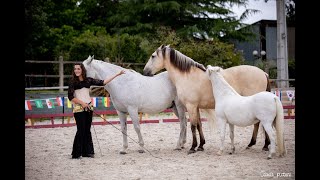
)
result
[(266, 40)]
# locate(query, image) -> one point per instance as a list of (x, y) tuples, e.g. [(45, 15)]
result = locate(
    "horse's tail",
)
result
[(268, 83), (279, 125), (211, 116)]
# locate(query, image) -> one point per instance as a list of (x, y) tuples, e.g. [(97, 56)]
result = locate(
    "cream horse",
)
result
[(194, 87), (234, 109), (132, 93)]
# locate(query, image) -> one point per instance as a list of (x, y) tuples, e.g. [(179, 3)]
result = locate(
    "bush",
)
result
[(212, 52)]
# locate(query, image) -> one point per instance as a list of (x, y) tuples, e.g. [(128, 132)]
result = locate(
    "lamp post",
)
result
[(261, 56)]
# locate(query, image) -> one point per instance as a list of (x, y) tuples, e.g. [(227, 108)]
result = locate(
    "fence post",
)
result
[(61, 76)]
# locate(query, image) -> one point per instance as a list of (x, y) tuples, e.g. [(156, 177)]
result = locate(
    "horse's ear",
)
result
[(168, 45), (92, 57), (209, 70), (162, 46)]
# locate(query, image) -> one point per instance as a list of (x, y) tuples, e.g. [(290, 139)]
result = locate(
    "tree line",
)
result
[(130, 30)]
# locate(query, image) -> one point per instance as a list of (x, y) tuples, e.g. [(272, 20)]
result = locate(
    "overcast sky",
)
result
[(267, 10)]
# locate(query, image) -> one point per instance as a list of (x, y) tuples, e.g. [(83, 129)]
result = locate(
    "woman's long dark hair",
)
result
[(84, 73)]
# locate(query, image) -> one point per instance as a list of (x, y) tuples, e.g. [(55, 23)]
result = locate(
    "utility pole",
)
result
[(282, 48)]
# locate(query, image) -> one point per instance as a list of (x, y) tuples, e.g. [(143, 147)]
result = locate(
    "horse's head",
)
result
[(91, 72), (212, 69), (156, 61)]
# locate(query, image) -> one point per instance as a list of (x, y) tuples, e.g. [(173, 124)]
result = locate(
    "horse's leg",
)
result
[(194, 116), (231, 127), (123, 122), (270, 132), (179, 111), (221, 124), (254, 135), (266, 141), (202, 140), (135, 119), (254, 138)]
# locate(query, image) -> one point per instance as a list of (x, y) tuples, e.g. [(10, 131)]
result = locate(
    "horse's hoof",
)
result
[(251, 143), (200, 149), (248, 147), (123, 152), (283, 154), (177, 149), (219, 153), (265, 148), (270, 155), (191, 151), (141, 151)]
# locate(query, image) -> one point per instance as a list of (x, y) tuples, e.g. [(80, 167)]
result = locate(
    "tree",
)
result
[(213, 52), (35, 25), (52, 25), (291, 11), (187, 17), (125, 30)]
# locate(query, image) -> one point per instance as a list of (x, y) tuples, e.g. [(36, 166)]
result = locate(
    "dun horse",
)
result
[(234, 109), (194, 87), (133, 93)]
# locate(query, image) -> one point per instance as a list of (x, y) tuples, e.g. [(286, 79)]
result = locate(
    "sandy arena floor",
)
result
[(47, 155)]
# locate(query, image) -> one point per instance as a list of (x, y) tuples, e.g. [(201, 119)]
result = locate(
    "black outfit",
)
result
[(82, 144)]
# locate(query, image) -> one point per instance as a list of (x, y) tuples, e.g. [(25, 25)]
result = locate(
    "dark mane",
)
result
[(181, 61)]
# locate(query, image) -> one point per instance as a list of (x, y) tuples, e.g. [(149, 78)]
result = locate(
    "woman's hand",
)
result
[(110, 79), (84, 105), (121, 72)]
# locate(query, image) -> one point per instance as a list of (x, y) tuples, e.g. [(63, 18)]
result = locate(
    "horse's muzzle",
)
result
[(147, 72)]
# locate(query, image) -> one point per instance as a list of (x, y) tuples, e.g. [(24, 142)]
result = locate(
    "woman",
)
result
[(78, 94)]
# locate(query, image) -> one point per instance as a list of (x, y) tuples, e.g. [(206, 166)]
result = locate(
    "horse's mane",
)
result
[(181, 61), (222, 86), (103, 62), (114, 66)]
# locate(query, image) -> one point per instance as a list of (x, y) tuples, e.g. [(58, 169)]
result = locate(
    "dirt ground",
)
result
[(48, 155)]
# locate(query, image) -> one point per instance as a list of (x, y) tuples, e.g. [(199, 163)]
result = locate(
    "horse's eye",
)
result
[(153, 56)]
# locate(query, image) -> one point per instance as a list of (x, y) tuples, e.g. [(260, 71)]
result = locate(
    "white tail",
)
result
[(279, 125), (211, 116)]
